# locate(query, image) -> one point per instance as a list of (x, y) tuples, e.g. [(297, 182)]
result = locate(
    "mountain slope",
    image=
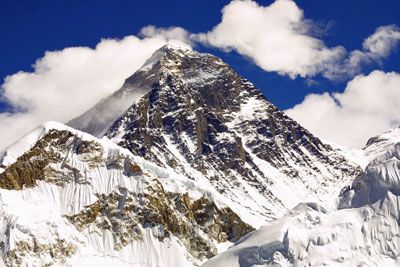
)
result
[(193, 158), (68, 198), (363, 230), (202, 119)]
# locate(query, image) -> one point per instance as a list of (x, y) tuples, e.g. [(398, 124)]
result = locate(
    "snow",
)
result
[(362, 231), (39, 211), (380, 144), (201, 77), (354, 155), (149, 252), (282, 187), (306, 238), (306, 186), (307, 234), (251, 110), (159, 54), (189, 142), (10, 154), (201, 186)]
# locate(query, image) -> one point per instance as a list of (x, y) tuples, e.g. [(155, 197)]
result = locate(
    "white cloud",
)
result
[(275, 37), (171, 33), (368, 106), (66, 83), (278, 38), (383, 41)]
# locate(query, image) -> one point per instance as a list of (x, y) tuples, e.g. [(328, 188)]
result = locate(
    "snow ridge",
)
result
[(362, 230)]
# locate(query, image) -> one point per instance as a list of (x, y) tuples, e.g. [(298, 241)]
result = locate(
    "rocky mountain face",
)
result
[(68, 198), (198, 117), (362, 229)]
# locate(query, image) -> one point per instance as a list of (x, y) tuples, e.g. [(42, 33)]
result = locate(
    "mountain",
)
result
[(192, 113), (185, 160), (68, 198), (362, 229)]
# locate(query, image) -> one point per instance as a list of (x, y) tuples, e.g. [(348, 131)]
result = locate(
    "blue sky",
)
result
[(29, 28)]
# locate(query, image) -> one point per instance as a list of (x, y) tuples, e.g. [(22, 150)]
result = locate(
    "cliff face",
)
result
[(200, 118)]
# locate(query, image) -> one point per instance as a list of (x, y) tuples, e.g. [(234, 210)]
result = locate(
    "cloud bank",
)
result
[(368, 106), (66, 83)]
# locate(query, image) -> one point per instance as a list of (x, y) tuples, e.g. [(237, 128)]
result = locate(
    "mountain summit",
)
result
[(191, 112), (186, 159)]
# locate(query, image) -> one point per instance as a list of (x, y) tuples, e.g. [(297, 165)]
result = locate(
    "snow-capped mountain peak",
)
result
[(186, 158), (198, 116), (166, 54)]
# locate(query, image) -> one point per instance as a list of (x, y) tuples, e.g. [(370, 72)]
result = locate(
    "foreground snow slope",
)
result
[(363, 229), (68, 198), (202, 119)]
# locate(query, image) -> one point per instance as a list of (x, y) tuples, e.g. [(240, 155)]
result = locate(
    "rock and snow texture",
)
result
[(200, 118), (363, 229), (70, 199), (181, 162)]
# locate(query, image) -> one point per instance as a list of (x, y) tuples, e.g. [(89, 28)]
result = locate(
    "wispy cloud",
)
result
[(375, 49)]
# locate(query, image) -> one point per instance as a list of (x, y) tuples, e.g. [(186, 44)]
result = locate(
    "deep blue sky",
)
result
[(28, 28)]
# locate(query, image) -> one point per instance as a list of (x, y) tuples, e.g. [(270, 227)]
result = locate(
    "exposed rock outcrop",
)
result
[(126, 214)]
